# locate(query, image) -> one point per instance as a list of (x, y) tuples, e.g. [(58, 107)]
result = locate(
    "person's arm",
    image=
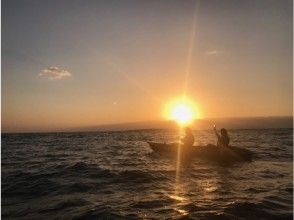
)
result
[(215, 131), (228, 141)]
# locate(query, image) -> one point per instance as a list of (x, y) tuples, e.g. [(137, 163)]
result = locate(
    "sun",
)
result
[(183, 111)]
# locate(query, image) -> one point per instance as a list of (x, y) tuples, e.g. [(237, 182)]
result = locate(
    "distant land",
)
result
[(200, 124)]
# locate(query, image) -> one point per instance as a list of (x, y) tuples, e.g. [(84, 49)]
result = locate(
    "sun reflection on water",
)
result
[(209, 186), (178, 198), (179, 202), (181, 211)]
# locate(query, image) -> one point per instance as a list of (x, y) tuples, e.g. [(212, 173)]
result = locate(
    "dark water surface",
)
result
[(115, 175)]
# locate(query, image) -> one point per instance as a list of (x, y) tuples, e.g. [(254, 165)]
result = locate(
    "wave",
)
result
[(61, 205), (100, 212), (114, 176), (247, 210)]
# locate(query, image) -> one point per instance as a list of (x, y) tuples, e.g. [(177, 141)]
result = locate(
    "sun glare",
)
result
[(181, 111), (182, 114)]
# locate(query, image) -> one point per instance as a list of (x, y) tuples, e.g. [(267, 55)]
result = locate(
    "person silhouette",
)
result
[(223, 140), (188, 139)]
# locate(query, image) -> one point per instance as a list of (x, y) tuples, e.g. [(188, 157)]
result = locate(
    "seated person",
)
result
[(188, 139), (223, 140)]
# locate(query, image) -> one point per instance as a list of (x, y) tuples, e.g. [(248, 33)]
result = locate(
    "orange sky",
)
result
[(111, 62)]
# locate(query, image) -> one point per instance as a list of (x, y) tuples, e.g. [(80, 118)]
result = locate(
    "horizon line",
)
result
[(100, 128)]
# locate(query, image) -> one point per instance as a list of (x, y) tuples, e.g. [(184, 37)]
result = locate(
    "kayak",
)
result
[(210, 152)]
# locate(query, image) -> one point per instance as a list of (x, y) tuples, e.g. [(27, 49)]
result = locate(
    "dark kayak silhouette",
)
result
[(210, 152)]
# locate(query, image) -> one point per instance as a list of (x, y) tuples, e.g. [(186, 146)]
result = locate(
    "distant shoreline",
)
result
[(250, 123), (133, 130)]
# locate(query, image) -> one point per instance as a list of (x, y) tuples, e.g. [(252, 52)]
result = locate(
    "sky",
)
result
[(75, 63)]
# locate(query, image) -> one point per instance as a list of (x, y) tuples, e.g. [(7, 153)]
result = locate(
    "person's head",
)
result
[(188, 130), (224, 132)]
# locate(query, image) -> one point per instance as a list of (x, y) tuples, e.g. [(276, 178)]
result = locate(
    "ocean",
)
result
[(115, 175)]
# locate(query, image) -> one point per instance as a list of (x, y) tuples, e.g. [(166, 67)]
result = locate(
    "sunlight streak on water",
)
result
[(179, 189), (178, 162)]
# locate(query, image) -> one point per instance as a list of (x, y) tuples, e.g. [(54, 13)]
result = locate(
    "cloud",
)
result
[(54, 73), (213, 52)]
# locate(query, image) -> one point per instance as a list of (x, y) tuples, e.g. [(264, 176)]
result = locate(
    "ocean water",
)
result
[(115, 175)]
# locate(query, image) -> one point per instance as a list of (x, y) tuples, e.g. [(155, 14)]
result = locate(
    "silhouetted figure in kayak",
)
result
[(188, 139), (223, 140)]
